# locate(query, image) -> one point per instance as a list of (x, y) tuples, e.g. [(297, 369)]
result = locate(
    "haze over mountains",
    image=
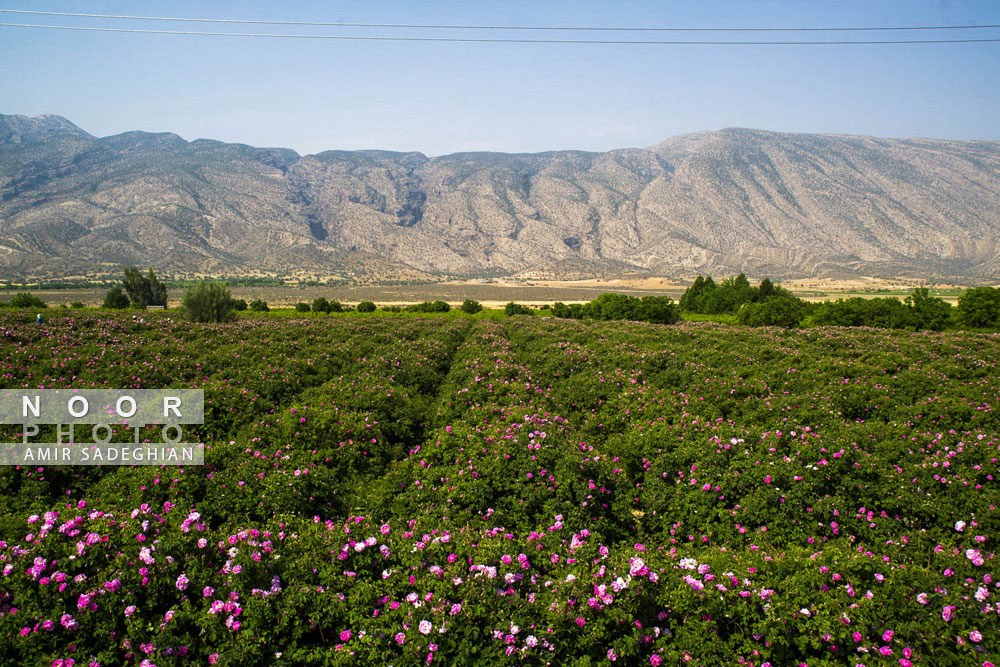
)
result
[(767, 203)]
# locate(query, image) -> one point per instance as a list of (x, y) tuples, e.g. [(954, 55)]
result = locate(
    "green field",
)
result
[(408, 490)]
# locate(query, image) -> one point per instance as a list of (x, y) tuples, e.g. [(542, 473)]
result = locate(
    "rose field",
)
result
[(513, 491)]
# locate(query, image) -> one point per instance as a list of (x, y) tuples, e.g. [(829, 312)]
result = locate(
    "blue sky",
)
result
[(439, 98)]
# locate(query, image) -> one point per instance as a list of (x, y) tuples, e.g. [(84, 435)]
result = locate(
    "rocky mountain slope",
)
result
[(785, 205)]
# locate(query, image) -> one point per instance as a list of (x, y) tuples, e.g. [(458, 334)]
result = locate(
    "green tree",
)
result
[(143, 290), (239, 304), (302, 307), (157, 290), (429, 307), (116, 299), (929, 312), (691, 300), (320, 305), (208, 302), (980, 307), (657, 309), (26, 300), (259, 306), (512, 309), (366, 307), (765, 289), (886, 313), (471, 306), (560, 309), (777, 311)]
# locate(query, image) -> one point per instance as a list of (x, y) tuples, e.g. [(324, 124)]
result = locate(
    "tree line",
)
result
[(766, 304), (769, 304)]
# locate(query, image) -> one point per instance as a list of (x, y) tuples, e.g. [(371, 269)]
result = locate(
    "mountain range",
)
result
[(766, 203)]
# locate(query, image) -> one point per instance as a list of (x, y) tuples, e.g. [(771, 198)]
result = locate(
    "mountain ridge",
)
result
[(739, 199)]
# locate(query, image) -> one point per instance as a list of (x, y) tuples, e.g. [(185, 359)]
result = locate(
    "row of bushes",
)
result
[(657, 309), (765, 305), (978, 308)]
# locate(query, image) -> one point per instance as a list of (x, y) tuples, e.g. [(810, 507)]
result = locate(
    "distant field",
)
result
[(489, 295), (494, 294)]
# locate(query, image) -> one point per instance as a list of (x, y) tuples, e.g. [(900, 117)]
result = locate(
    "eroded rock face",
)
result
[(785, 205)]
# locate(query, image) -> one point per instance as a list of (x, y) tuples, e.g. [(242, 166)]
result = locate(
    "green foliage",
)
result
[(980, 307), (884, 313), (77, 304), (657, 309), (259, 306), (239, 305), (929, 312), (26, 300), (320, 305), (366, 307), (429, 307), (116, 299), (143, 290), (302, 307), (471, 306), (512, 309), (573, 311), (705, 297), (775, 311), (208, 302)]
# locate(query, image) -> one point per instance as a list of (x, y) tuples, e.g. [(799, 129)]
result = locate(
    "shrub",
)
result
[(208, 302), (886, 313), (302, 307), (335, 307), (259, 306), (471, 306), (116, 299), (77, 304), (657, 309), (777, 311), (320, 305), (512, 309), (26, 300), (980, 307), (704, 495), (429, 307), (560, 309), (239, 304), (366, 307)]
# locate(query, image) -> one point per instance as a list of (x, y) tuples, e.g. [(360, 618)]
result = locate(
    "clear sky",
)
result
[(313, 95)]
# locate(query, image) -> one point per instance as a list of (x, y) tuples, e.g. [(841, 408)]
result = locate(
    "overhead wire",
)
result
[(345, 24), (389, 38)]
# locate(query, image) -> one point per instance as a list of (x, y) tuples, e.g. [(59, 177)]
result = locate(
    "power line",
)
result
[(496, 27), (374, 38)]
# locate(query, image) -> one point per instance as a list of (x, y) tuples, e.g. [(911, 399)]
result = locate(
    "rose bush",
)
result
[(532, 491)]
